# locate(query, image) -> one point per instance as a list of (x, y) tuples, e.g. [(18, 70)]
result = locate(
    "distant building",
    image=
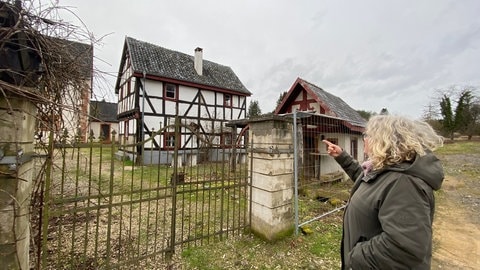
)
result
[(26, 58), (76, 101), (72, 104), (103, 120), (333, 119)]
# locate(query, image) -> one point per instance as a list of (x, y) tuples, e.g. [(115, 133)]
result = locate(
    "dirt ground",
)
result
[(457, 220)]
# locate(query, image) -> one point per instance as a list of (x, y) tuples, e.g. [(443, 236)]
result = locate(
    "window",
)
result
[(226, 139), (170, 91), (169, 140), (354, 148), (227, 100)]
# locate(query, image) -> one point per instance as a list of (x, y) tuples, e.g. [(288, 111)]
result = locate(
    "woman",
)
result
[(388, 221)]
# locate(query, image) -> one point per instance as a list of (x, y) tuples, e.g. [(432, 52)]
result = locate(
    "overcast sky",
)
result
[(372, 54)]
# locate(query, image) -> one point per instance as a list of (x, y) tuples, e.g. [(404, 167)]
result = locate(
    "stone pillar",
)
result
[(272, 178), (17, 125)]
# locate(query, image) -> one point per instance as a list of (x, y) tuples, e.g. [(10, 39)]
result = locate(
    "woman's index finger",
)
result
[(327, 142)]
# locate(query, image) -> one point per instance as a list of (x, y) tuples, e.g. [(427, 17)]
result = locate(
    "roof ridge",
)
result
[(350, 114), (174, 51), (163, 62)]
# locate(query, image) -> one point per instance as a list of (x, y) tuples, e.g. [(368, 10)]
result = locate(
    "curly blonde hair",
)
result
[(394, 139)]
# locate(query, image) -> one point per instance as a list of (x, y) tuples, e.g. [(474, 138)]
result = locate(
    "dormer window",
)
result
[(170, 91)]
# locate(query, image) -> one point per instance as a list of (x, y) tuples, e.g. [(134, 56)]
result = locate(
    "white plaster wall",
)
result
[(126, 104), (154, 88), (154, 122), (192, 109), (132, 123), (209, 97), (170, 107), (156, 103), (96, 128), (187, 93)]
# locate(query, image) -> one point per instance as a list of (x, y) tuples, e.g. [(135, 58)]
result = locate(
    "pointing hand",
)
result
[(332, 149)]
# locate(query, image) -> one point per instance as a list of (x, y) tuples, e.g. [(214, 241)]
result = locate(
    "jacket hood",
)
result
[(427, 167)]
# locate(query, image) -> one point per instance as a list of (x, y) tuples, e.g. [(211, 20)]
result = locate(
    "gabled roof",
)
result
[(332, 104), (81, 54), (168, 64), (101, 111)]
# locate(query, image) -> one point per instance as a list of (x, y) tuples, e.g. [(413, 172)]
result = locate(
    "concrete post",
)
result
[(17, 123), (272, 178)]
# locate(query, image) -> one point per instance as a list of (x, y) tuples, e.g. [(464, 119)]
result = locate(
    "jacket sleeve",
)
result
[(351, 167), (405, 217)]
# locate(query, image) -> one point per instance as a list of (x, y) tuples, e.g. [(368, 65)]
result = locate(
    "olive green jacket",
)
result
[(388, 220)]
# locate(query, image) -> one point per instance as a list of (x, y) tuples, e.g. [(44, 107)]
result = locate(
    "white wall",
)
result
[(96, 128), (210, 109), (327, 163)]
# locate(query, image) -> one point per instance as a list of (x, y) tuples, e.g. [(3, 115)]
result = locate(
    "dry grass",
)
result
[(319, 248)]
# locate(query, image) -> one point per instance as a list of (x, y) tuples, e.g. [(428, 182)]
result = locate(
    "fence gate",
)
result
[(319, 186), (114, 206)]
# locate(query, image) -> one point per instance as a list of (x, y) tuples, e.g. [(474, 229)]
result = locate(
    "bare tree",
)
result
[(50, 63)]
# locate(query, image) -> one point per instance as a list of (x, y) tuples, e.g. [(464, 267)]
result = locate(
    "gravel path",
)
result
[(457, 220)]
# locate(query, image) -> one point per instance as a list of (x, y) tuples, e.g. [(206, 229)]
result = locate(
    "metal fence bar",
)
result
[(98, 197), (46, 202), (101, 212), (89, 193), (110, 202), (295, 169)]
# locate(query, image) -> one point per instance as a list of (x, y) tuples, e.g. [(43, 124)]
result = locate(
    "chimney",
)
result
[(198, 61)]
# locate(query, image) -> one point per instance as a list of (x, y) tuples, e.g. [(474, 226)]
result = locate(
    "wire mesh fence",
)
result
[(321, 186)]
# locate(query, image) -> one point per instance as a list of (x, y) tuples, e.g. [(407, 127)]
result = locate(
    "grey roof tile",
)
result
[(158, 61), (103, 111), (337, 105)]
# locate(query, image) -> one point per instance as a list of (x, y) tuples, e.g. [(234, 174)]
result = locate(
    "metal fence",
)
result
[(96, 209), (320, 183)]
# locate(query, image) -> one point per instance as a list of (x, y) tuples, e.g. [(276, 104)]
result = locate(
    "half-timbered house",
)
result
[(155, 85), (329, 117)]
